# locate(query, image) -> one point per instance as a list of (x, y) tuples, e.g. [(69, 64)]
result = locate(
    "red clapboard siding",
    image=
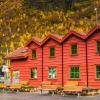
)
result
[(25, 66), (56, 61), (93, 60), (85, 59), (35, 63), (79, 59)]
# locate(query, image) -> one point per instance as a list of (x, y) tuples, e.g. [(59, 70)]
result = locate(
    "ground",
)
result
[(31, 96)]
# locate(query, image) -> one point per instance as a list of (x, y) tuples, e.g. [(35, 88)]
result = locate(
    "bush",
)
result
[(27, 88)]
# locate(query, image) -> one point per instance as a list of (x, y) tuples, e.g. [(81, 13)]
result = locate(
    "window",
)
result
[(74, 49), (98, 71), (98, 47), (33, 73), (16, 76), (33, 54), (52, 73), (52, 52), (74, 72)]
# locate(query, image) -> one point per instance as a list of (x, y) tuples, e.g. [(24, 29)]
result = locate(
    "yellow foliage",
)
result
[(16, 26)]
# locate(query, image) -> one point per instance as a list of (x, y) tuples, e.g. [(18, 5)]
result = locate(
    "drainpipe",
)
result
[(11, 77), (86, 62), (42, 64), (62, 68)]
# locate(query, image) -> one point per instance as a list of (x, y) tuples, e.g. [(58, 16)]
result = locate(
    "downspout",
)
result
[(42, 64), (86, 62), (62, 68)]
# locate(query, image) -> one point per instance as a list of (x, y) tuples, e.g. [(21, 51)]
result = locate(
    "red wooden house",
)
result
[(74, 57), (93, 57), (34, 62), (52, 59), (18, 66), (26, 63)]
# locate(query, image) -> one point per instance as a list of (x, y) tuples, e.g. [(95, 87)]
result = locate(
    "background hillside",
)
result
[(22, 19)]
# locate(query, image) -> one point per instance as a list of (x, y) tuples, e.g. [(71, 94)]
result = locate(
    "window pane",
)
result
[(76, 75), (74, 49), (71, 75), (16, 75), (34, 73), (33, 53), (31, 73), (98, 68), (72, 69), (74, 46), (98, 71), (98, 46), (52, 73), (52, 51), (76, 69), (98, 75), (74, 72)]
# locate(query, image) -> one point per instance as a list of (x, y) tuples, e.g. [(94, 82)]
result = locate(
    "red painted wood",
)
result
[(25, 66), (55, 61), (79, 59), (93, 60)]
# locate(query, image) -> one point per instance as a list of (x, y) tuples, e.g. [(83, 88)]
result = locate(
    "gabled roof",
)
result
[(23, 52), (62, 38), (35, 40), (57, 38), (41, 42), (92, 31), (73, 33), (19, 53)]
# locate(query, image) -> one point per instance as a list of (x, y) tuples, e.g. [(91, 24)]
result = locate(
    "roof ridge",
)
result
[(53, 36), (60, 38)]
